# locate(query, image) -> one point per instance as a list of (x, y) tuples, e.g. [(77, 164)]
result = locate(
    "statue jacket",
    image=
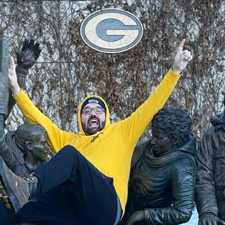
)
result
[(162, 186), (12, 155), (109, 150), (210, 161)]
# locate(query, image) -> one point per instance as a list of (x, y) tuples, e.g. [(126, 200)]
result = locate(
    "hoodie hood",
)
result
[(218, 120), (107, 115), (189, 147)]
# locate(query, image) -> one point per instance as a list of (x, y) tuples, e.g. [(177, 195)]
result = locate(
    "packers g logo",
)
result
[(111, 30)]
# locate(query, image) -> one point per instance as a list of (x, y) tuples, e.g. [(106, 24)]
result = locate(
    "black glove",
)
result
[(209, 219), (28, 55), (25, 60)]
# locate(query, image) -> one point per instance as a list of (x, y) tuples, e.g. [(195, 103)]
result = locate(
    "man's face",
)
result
[(39, 151), (92, 118)]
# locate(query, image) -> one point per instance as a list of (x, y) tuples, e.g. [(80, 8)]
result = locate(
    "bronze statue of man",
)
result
[(23, 150), (19, 149), (26, 148), (161, 184), (210, 180)]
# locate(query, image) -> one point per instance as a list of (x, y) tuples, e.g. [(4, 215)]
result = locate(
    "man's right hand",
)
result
[(13, 83), (209, 219), (182, 58)]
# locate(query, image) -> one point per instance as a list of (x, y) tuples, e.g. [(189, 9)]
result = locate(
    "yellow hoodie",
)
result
[(110, 149)]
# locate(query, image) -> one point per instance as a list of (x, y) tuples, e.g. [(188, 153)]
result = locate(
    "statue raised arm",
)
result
[(26, 58)]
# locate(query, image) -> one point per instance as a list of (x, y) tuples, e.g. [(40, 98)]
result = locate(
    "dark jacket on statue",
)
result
[(12, 155), (210, 182), (162, 186)]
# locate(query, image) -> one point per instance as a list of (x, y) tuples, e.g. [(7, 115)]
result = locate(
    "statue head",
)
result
[(170, 127), (32, 141)]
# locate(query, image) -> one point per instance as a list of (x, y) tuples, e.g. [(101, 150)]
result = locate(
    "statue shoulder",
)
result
[(139, 150)]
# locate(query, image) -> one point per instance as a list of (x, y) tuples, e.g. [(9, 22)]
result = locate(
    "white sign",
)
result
[(111, 30)]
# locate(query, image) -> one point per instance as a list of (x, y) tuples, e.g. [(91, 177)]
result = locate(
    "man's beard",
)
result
[(92, 130)]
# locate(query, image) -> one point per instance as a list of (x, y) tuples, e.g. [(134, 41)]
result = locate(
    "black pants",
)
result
[(72, 191)]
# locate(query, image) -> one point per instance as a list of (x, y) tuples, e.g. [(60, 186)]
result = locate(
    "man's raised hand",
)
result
[(13, 83), (182, 58)]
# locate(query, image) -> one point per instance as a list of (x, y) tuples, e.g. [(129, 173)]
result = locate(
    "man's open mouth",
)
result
[(93, 122)]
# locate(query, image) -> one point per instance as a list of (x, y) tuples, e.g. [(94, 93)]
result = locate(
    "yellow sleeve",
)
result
[(135, 125), (56, 138)]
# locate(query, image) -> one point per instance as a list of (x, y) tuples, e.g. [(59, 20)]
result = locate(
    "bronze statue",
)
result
[(26, 148), (161, 184), (26, 58), (210, 180)]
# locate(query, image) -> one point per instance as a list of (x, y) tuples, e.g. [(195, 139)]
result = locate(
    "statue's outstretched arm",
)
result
[(4, 93), (26, 58)]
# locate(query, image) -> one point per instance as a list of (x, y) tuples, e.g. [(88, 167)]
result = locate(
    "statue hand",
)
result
[(135, 217), (208, 219), (181, 59), (28, 55)]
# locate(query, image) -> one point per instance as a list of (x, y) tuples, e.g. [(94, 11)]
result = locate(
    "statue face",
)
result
[(39, 150), (161, 143), (93, 122)]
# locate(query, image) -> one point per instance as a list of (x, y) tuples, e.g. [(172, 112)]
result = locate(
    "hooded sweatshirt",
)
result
[(109, 150)]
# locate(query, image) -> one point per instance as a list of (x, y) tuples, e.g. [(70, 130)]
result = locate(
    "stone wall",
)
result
[(68, 69)]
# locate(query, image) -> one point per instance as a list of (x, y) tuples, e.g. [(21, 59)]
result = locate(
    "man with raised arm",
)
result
[(94, 164)]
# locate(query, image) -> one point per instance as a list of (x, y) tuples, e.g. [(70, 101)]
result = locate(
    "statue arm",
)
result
[(26, 58), (5, 151)]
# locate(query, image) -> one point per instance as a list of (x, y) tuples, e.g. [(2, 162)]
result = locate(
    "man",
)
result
[(210, 180), (161, 184), (94, 164)]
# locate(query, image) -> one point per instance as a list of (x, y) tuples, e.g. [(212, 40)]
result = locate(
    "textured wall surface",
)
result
[(68, 69)]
